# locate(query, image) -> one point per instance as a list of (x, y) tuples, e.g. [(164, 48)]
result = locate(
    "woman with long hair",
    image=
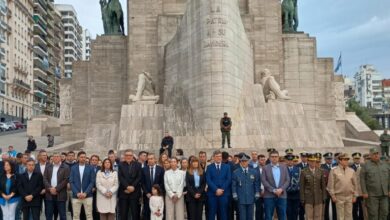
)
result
[(196, 184), (162, 159), (8, 190), (107, 187)]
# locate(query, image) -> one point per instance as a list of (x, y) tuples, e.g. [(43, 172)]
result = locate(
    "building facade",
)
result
[(16, 75), (72, 38), (48, 57), (368, 87), (86, 45)]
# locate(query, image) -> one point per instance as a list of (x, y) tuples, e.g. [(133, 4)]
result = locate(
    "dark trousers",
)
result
[(95, 213), (246, 211), (357, 209), (51, 206), (301, 211), (31, 212), (270, 204), (218, 204), (293, 208), (225, 135), (259, 209), (233, 207), (126, 205), (326, 211), (146, 209), (195, 209)]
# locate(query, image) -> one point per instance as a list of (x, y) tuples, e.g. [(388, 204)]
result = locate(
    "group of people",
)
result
[(149, 186)]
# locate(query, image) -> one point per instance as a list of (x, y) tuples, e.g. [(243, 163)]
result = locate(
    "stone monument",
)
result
[(206, 57)]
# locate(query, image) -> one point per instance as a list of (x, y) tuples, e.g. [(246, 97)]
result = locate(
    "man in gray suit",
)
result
[(275, 179)]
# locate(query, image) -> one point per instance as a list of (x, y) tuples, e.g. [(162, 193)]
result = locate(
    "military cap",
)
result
[(343, 156), (304, 154), (328, 155), (311, 157), (289, 151), (336, 155), (356, 155), (296, 158), (269, 150), (289, 157), (374, 150), (245, 157)]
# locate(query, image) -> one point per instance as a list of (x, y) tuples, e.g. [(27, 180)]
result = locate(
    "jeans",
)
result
[(50, 205), (9, 210), (271, 203)]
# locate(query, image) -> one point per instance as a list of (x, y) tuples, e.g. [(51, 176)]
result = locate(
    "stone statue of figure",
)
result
[(290, 15), (145, 89), (271, 88), (112, 16)]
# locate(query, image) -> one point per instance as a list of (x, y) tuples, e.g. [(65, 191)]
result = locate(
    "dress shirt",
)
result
[(261, 172), (42, 167), (196, 178), (54, 178), (81, 170), (174, 182), (254, 164), (245, 170), (304, 165), (357, 165), (152, 171), (276, 174), (29, 175), (218, 166)]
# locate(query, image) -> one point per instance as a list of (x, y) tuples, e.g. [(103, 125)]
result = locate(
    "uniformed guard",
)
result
[(357, 208), (293, 200), (289, 151), (375, 183), (246, 188), (385, 142), (226, 126), (327, 166), (296, 160), (312, 189), (318, 159), (303, 164)]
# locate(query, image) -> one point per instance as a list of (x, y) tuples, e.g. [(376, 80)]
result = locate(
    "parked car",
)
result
[(18, 124), (4, 127), (11, 125)]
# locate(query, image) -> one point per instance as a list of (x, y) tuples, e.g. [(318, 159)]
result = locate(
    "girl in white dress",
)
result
[(156, 204)]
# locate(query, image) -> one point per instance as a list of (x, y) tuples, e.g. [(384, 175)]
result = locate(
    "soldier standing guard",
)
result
[(226, 126), (293, 200), (246, 188), (385, 142), (312, 189)]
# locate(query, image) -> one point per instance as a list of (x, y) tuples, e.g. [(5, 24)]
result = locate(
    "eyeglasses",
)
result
[(344, 159), (128, 155), (274, 156)]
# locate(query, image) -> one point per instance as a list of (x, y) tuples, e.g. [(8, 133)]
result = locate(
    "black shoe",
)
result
[(229, 147)]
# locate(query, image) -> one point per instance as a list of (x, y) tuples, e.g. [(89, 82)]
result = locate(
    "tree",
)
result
[(363, 113)]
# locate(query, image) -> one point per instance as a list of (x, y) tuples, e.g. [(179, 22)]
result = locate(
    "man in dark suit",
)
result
[(30, 187), (82, 180), (167, 145), (276, 180), (55, 181), (152, 174), (93, 161), (130, 177), (326, 167), (302, 165), (219, 179)]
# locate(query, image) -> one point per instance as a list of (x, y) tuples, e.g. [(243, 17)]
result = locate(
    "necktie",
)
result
[(151, 175), (245, 171), (218, 168)]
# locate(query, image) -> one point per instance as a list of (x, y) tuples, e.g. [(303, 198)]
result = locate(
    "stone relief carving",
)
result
[(66, 102), (271, 88), (145, 90)]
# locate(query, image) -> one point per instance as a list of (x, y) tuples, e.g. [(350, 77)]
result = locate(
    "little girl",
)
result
[(156, 203)]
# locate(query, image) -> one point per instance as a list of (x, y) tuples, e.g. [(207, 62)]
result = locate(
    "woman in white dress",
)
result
[(107, 187)]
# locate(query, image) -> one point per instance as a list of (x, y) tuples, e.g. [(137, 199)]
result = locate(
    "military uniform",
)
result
[(357, 207), (374, 180), (293, 200), (326, 167), (385, 143), (226, 125), (246, 190), (312, 192)]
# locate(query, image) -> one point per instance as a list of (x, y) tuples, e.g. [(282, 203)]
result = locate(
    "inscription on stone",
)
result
[(215, 29)]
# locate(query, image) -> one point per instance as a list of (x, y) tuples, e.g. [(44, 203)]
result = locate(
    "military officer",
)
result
[(289, 151), (374, 180), (312, 189), (318, 159), (296, 160), (357, 207), (246, 188), (328, 161), (342, 187), (385, 142), (302, 165), (293, 189), (327, 166)]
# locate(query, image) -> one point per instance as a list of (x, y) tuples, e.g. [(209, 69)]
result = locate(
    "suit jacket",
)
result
[(313, 186), (246, 186), (192, 190), (267, 179), (146, 180), (32, 186), (300, 165), (38, 168), (87, 183), (62, 181), (218, 180), (130, 175)]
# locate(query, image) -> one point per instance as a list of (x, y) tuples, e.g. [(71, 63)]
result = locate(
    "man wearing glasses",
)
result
[(130, 176), (374, 180)]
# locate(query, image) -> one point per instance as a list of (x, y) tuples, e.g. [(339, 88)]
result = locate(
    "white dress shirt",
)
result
[(42, 167), (174, 181), (81, 170), (53, 181)]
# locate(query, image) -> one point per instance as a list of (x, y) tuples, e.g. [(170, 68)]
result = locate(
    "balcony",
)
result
[(3, 25), (3, 10), (39, 29), (2, 75), (2, 51), (2, 38), (41, 6), (20, 84), (40, 93), (40, 39), (40, 83), (40, 50)]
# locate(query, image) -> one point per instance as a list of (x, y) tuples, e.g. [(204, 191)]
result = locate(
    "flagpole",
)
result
[(341, 59)]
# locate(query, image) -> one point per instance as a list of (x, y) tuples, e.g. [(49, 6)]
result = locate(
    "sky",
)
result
[(358, 29)]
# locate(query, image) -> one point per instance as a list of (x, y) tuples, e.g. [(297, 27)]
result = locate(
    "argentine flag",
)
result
[(339, 64)]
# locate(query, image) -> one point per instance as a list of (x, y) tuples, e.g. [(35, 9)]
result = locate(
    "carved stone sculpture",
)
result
[(290, 15), (145, 90), (271, 88), (112, 16)]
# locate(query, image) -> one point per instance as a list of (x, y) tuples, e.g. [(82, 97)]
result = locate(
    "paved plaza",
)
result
[(19, 141)]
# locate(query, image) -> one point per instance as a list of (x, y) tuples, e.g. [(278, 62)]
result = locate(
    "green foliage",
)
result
[(363, 113)]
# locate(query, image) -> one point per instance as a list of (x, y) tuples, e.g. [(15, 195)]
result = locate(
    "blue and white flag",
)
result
[(339, 64)]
